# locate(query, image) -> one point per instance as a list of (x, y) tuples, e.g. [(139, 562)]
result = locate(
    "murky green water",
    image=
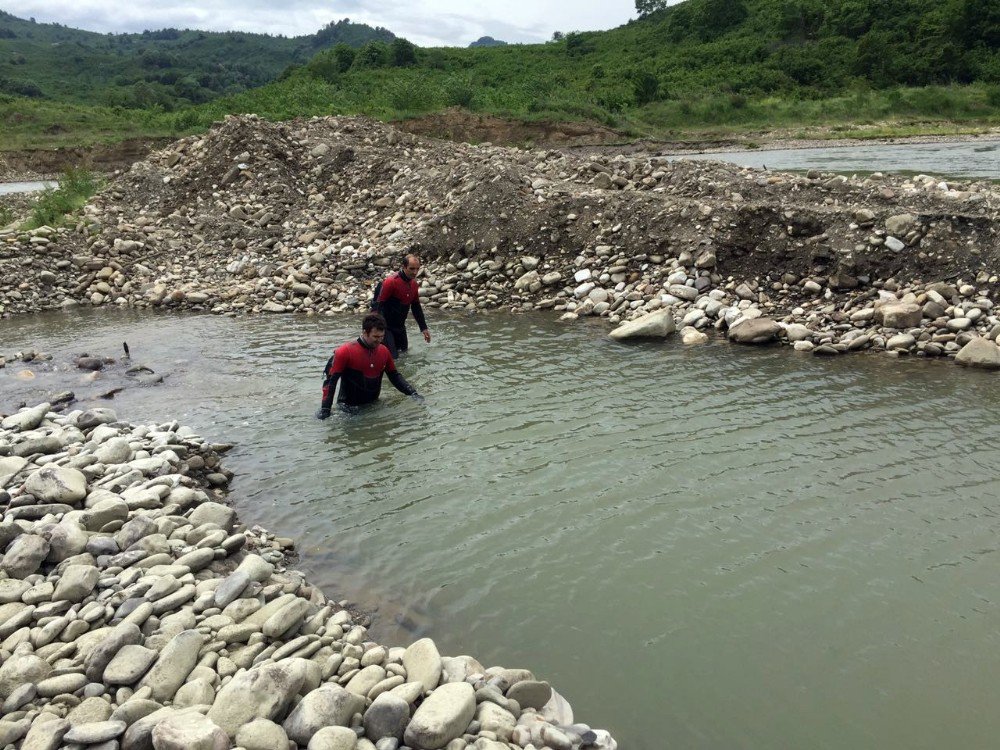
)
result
[(714, 547)]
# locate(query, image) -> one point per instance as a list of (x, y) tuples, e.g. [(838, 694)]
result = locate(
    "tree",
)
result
[(372, 55), (645, 7), (715, 17), (402, 53)]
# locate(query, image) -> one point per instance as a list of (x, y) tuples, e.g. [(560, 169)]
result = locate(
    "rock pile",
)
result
[(136, 613), (304, 216)]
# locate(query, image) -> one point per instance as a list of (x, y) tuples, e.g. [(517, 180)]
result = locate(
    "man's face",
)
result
[(373, 337), (412, 268)]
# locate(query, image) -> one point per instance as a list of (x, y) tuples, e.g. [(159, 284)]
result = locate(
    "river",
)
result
[(710, 547), (978, 159)]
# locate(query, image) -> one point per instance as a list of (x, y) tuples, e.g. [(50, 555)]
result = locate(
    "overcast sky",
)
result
[(424, 22)]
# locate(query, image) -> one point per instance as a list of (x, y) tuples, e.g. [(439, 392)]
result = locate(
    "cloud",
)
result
[(424, 22)]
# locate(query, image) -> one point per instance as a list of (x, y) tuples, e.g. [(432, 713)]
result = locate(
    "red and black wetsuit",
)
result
[(359, 369), (397, 294)]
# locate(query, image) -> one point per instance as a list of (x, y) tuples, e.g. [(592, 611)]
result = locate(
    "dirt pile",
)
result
[(303, 216)]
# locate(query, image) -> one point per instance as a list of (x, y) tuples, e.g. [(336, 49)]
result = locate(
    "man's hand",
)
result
[(323, 413), (427, 335)]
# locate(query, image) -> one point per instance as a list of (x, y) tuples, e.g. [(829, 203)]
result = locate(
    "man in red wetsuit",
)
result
[(358, 366), (395, 297)]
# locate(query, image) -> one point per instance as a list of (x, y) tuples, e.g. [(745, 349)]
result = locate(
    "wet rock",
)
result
[(756, 331)]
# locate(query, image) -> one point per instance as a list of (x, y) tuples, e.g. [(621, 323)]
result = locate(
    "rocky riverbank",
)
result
[(137, 612), (303, 217)]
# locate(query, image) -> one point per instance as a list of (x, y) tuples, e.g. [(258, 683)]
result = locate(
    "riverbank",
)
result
[(136, 608), (303, 217)]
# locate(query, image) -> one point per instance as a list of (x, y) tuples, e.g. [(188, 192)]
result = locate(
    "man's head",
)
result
[(373, 329), (411, 265)]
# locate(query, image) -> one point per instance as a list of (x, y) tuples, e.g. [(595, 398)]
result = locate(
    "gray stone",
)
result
[(980, 353), (57, 484), (101, 655), (176, 661), (442, 717), (66, 540), (657, 324), (494, 718), (94, 732), (20, 669), (129, 665), (261, 734), (264, 692), (114, 451), (327, 705), (50, 687), (12, 589), (198, 692), (46, 733), (9, 466), (333, 738), (24, 555), (422, 662), (231, 588), (76, 583), (387, 716), (221, 515), (900, 315), (755, 331), (189, 731), (26, 419), (94, 417), (530, 693)]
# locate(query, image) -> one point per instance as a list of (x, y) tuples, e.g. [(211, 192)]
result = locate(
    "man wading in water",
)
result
[(358, 366), (393, 298)]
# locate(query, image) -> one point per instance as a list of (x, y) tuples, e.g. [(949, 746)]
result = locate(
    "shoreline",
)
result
[(307, 223), (136, 606)]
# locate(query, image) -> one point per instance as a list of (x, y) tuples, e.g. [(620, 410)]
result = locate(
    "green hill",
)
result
[(168, 68), (699, 66)]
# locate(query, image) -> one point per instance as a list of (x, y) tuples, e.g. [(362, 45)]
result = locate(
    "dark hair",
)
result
[(408, 257), (373, 320)]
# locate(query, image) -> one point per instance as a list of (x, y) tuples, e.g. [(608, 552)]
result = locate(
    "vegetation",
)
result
[(165, 69), (695, 67), (54, 204)]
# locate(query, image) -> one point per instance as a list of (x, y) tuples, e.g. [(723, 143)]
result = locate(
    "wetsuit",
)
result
[(359, 369), (397, 294)]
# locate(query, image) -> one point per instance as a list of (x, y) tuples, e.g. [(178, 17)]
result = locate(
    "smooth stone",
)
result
[(900, 315), (657, 324), (189, 731), (422, 662), (20, 669), (387, 716), (264, 692), (530, 693), (981, 353), (174, 665), (65, 683), (129, 665), (26, 419), (442, 717), (327, 705), (57, 484), (46, 733), (333, 738), (76, 583), (101, 655), (261, 734), (25, 555), (94, 732), (755, 331)]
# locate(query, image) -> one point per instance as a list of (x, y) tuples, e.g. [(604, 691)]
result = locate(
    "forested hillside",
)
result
[(694, 66), (168, 68)]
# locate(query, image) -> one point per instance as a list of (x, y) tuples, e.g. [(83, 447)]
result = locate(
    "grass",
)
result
[(54, 205)]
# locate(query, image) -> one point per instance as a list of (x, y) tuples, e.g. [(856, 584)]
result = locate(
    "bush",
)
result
[(75, 188), (371, 55)]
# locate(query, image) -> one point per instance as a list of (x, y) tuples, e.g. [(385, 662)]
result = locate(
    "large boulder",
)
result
[(442, 717), (657, 324), (981, 353), (265, 692), (755, 331), (57, 484)]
